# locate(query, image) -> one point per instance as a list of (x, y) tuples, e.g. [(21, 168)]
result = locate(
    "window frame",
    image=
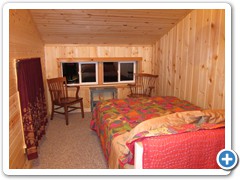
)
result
[(99, 69), (72, 84), (103, 74), (119, 72), (134, 71), (80, 73)]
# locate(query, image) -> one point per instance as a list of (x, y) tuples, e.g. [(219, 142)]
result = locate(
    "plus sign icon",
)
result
[(227, 159)]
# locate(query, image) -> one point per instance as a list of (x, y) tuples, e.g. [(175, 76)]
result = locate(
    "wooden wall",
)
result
[(191, 59), (52, 52), (25, 42)]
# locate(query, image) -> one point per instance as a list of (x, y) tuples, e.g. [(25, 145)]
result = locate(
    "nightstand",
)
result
[(102, 93)]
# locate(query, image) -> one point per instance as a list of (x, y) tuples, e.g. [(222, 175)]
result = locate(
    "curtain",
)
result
[(33, 103)]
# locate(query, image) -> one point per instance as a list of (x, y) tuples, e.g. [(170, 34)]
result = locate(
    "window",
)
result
[(80, 73), (127, 70), (114, 72), (110, 72), (70, 71), (100, 71), (88, 73)]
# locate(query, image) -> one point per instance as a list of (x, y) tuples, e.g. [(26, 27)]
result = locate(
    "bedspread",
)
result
[(192, 150), (114, 117), (122, 152)]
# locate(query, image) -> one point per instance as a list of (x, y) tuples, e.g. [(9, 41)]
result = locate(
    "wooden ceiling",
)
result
[(105, 26)]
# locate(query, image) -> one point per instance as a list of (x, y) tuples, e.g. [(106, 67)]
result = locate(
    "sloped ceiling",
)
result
[(100, 26)]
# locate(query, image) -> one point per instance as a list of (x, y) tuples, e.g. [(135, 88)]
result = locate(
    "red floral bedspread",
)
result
[(114, 117)]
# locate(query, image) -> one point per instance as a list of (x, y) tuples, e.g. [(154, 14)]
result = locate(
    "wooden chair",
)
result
[(59, 96), (144, 84)]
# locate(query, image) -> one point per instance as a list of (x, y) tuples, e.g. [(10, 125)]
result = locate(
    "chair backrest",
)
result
[(57, 88), (144, 83)]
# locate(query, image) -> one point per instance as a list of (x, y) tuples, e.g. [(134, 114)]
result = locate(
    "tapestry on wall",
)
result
[(33, 103)]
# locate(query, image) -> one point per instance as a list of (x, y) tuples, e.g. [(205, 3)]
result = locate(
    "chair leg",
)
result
[(82, 111), (52, 112), (66, 114)]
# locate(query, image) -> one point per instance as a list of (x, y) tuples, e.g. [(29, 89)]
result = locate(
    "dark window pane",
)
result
[(70, 71), (126, 73), (110, 71), (88, 72)]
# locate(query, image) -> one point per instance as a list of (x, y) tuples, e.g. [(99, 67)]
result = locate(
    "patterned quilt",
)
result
[(114, 117)]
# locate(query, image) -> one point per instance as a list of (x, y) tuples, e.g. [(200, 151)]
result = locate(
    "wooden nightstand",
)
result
[(102, 93)]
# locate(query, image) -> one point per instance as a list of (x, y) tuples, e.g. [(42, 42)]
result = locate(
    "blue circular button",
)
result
[(227, 159)]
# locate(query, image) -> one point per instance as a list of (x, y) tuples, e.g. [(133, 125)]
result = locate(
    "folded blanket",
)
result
[(122, 149)]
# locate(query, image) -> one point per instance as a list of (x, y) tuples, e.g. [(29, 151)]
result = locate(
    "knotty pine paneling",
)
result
[(105, 26), (191, 58), (52, 52), (25, 42)]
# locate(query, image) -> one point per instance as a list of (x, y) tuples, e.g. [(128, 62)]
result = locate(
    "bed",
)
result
[(165, 128)]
